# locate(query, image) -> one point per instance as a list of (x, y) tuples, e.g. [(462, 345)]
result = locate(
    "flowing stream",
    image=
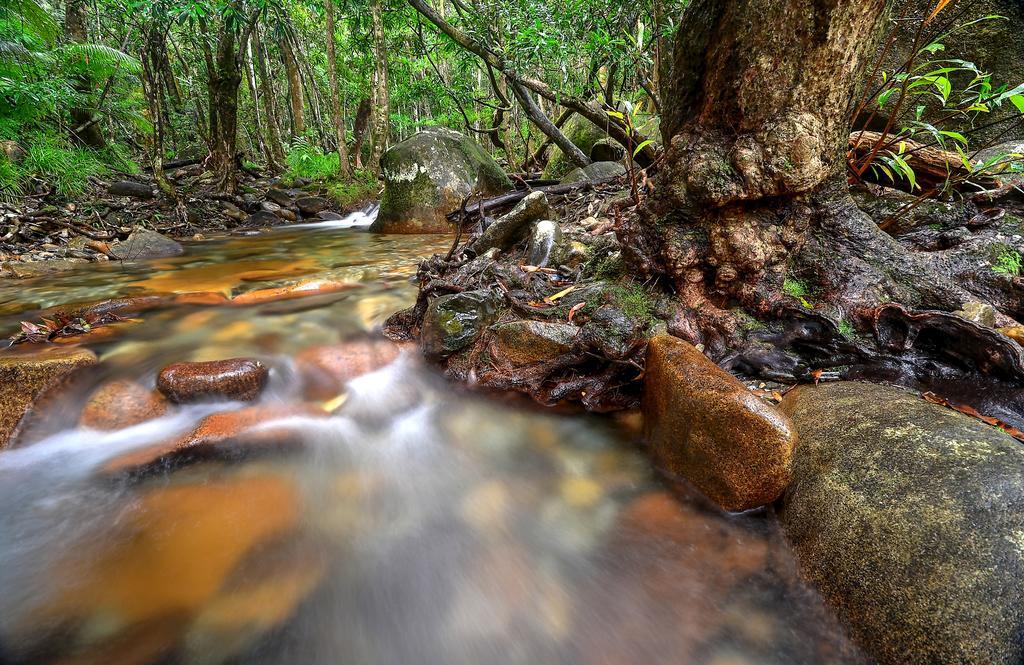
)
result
[(417, 524)]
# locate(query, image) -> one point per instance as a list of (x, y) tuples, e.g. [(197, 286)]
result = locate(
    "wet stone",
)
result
[(121, 404), (240, 379), (611, 332), (455, 321), (280, 197), (311, 205), (146, 244), (528, 342), (704, 425), (326, 369), (545, 238), (909, 517), (978, 312), (510, 228)]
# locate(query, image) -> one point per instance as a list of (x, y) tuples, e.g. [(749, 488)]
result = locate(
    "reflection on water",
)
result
[(414, 524)]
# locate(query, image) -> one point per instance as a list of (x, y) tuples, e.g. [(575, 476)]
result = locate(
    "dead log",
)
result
[(472, 210), (933, 166)]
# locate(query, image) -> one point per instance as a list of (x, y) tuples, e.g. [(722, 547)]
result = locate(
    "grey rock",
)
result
[(607, 150), (330, 216), (146, 244), (263, 218), (529, 342), (910, 519), (611, 332), (311, 205), (454, 321), (979, 312), (510, 228), (271, 207), (545, 241), (595, 172), (280, 197), (428, 175), (287, 215), (135, 190)]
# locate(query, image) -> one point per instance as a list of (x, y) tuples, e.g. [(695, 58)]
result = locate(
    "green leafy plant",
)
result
[(1008, 262), (794, 288)]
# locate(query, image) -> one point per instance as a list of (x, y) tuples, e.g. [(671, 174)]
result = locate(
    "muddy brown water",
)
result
[(416, 525)]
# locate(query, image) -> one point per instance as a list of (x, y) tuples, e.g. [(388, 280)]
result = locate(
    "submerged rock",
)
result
[(704, 425), (910, 519), (545, 238), (454, 321), (428, 175), (121, 404), (326, 369), (510, 228), (240, 379), (146, 244), (24, 377), (528, 342)]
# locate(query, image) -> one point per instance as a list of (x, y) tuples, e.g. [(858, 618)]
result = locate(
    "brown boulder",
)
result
[(121, 404), (241, 379), (704, 425), (26, 376), (301, 290), (326, 369)]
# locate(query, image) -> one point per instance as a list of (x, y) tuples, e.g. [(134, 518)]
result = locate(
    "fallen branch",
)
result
[(471, 212)]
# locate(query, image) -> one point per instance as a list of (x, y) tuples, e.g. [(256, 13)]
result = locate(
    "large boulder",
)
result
[(995, 46), (428, 175), (910, 519), (24, 377), (581, 132), (704, 425)]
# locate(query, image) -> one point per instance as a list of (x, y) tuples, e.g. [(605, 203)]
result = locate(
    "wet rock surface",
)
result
[(512, 227), (146, 244), (121, 404), (241, 379), (428, 175), (528, 342), (909, 517), (326, 369), (24, 377), (455, 321), (544, 245), (704, 425)]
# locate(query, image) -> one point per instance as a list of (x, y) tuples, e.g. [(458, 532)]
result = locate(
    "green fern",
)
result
[(98, 56)]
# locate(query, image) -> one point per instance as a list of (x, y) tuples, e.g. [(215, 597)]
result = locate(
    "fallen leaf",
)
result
[(560, 294), (575, 308)]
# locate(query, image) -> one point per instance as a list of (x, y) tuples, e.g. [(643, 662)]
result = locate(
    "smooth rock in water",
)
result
[(121, 404), (26, 376), (307, 289), (240, 379), (428, 175), (326, 369), (135, 190), (545, 238), (330, 216), (311, 205), (146, 244), (271, 207), (508, 229), (280, 197), (595, 172), (704, 425), (287, 215), (978, 312), (454, 321), (529, 342), (910, 519)]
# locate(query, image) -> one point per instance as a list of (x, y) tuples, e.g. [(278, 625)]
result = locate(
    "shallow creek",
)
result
[(418, 524)]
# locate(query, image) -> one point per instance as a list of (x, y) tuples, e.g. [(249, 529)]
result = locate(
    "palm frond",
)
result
[(99, 55), (33, 16)]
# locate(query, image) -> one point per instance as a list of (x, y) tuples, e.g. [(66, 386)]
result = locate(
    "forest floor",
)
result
[(43, 233)]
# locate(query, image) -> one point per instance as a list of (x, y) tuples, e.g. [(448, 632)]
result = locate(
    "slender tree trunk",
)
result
[(273, 139), (153, 47), (291, 68), (381, 103), (359, 127), (250, 78), (85, 127), (344, 169)]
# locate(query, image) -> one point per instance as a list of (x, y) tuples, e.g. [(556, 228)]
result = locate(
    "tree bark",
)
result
[(359, 127), (86, 129), (758, 111), (273, 126), (381, 103), (344, 169), (291, 68)]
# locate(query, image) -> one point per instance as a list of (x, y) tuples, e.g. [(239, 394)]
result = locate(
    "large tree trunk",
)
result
[(754, 180), (381, 104), (332, 71)]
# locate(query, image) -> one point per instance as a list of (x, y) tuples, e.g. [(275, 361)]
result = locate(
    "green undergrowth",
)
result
[(1007, 261), (309, 162), (64, 167), (795, 288), (635, 302)]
